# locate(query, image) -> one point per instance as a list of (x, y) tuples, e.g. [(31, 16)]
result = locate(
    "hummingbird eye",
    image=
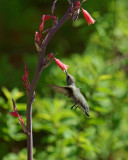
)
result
[(68, 80)]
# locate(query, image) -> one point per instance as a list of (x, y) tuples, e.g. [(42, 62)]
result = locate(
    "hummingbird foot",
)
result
[(73, 106), (77, 107)]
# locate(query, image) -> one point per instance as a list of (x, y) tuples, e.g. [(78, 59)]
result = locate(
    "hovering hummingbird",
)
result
[(74, 93)]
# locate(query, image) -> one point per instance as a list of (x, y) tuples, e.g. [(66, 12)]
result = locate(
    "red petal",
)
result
[(25, 77), (46, 17), (38, 36), (14, 114), (14, 106), (54, 18), (76, 7), (50, 55), (41, 27), (78, 3), (21, 119), (26, 70)]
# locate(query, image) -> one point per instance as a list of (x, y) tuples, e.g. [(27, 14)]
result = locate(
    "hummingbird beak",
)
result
[(66, 72)]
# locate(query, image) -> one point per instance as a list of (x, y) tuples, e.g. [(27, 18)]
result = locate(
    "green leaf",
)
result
[(105, 77), (100, 109), (2, 101), (10, 156), (16, 94), (6, 93), (21, 106)]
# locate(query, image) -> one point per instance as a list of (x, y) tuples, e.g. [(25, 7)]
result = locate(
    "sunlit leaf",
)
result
[(105, 77), (6, 93), (16, 94)]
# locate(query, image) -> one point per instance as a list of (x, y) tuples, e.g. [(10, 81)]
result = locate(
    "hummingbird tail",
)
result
[(87, 114)]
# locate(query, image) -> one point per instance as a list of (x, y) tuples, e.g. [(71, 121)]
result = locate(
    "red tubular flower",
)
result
[(26, 70), (25, 77), (14, 114), (54, 19), (37, 36), (78, 3), (61, 65), (46, 17), (14, 106), (41, 27), (76, 7), (50, 55), (21, 120), (88, 17)]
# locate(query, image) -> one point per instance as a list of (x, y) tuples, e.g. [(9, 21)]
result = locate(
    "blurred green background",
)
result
[(98, 59)]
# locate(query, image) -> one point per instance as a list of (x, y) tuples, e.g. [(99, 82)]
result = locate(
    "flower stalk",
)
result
[(33, 85), (72, 12)]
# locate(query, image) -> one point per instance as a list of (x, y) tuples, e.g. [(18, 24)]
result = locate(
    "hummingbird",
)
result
[(74, 93)]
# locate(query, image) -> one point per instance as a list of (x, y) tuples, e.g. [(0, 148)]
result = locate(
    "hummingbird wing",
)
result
[(66, 91)]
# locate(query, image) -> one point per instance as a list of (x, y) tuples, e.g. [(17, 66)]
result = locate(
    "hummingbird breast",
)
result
[(79, 99)]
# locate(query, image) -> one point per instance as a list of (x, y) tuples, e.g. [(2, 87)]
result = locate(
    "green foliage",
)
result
[(100, 72), (62, 133)]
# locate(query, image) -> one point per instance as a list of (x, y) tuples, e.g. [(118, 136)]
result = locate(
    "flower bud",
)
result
[(78, 3), (37, 36), (41, 27), (14, 114), (46, 17), (50, 55)]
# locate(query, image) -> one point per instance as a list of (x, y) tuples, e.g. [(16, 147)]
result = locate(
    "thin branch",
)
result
[(36, 79), (29, 136), (55, 28)]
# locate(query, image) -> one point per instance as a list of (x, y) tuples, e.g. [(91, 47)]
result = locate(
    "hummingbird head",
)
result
[(70, 79)]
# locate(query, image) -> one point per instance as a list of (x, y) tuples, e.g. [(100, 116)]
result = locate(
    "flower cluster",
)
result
[(50, 57), (41, 27), (16, 114), (25, 77), (86, 15), (47, 61), (77, 7)]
